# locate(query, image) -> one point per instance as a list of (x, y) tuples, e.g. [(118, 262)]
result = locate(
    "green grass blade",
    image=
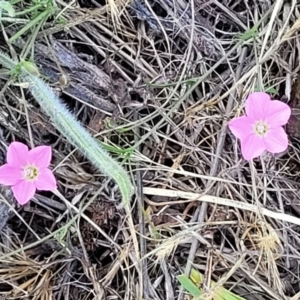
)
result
[(189, 285), (4, 5), (43, 15)]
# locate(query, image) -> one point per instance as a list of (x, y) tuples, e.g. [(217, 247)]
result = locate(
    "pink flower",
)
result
[(261, 128), (27, 171)]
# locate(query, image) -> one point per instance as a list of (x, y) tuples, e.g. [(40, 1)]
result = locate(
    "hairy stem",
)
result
[(72, 129)]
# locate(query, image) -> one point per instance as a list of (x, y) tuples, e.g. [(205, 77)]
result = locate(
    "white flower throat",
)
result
[(261, 128), (30, 173)]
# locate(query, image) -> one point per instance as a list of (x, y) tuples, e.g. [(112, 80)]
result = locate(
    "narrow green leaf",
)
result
[(4, 5), (248, 34), (220, 293), (44, 15), (189, 285), (117, 150), (269, 90)]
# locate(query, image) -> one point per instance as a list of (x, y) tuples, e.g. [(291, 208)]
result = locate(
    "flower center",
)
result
[(261, 128), (30, 173)]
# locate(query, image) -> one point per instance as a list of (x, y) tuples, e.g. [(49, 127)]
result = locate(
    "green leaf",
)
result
[(223, 294), (117, 150), (248, 34), (269, 90), (61, 234), (189, 285), (61, 21), (30, 67), (4, 5), (40, 18), (219, 294)]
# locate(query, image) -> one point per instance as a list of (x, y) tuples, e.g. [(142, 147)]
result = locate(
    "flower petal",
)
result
[(276, 141), (40, 156), (23, 191), (278, 114), (257, 105), (241, 127), (252, 146), (45, 181), (10, 175), (17, 154)]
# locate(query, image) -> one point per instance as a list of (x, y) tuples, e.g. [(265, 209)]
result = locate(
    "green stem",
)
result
[(72, 129)]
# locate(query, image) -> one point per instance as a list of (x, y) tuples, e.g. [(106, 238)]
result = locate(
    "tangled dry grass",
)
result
[(178, 71)]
